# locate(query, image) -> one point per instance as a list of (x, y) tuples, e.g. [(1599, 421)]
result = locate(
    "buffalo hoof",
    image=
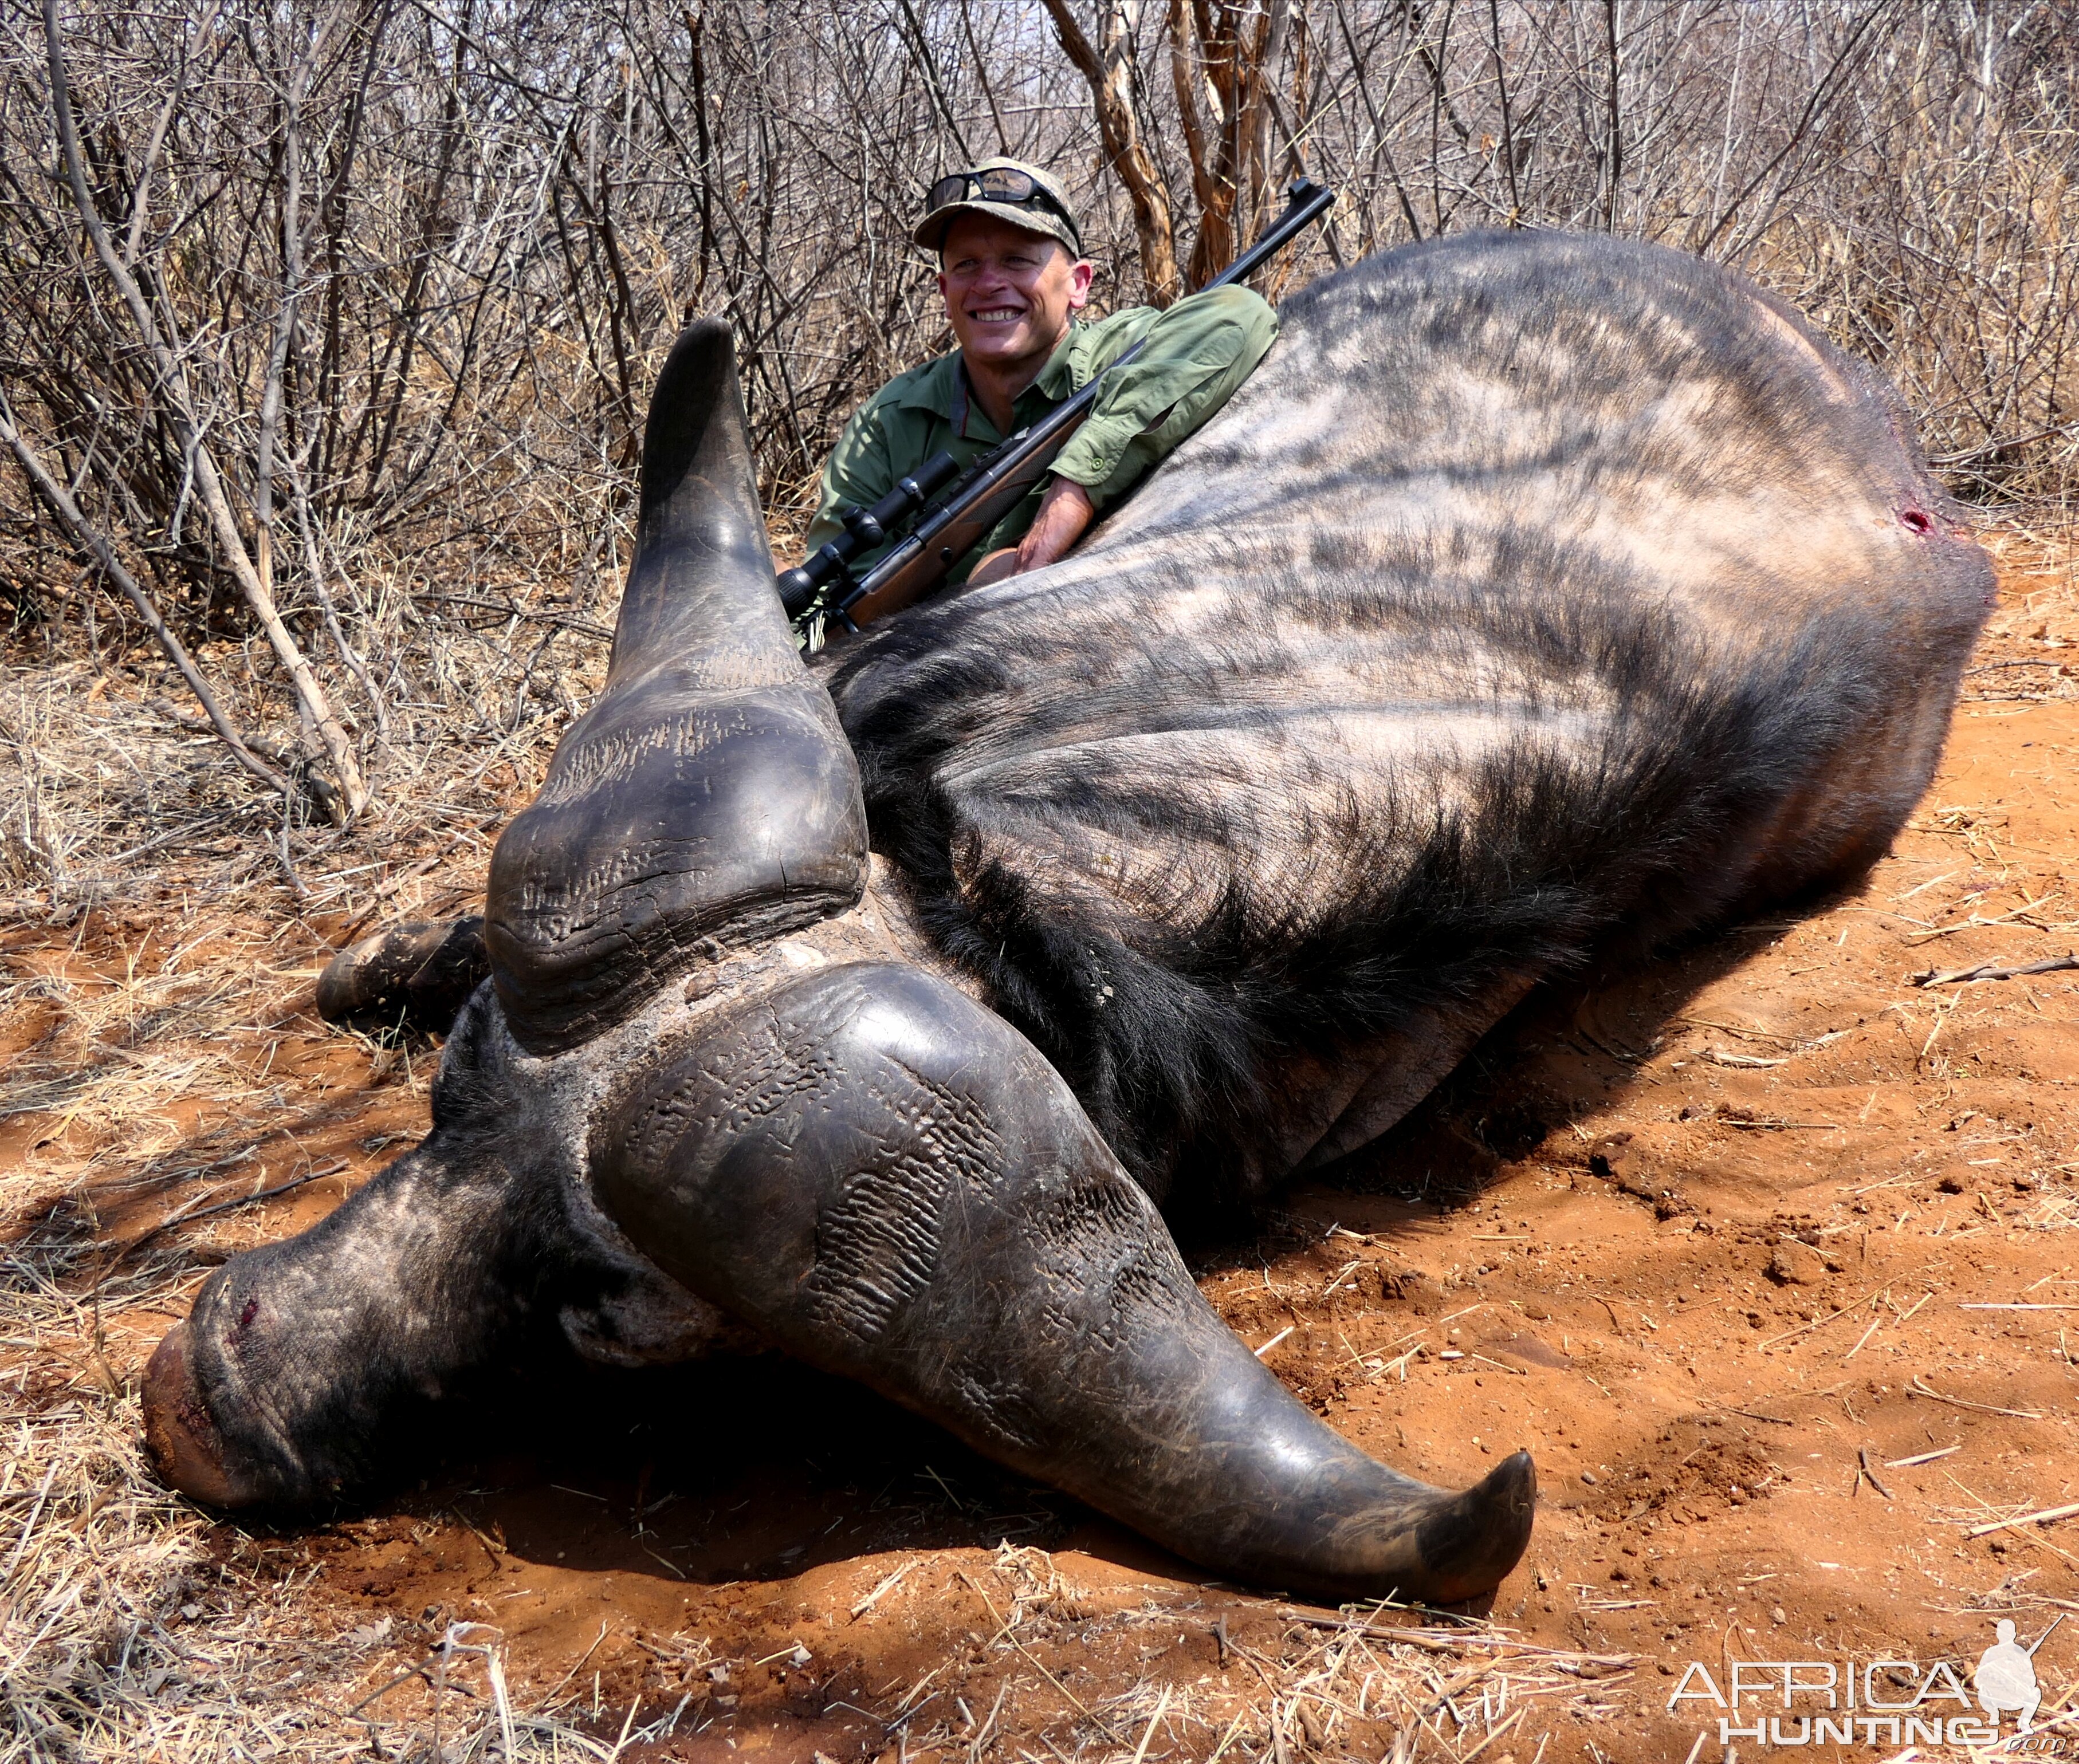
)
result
[(414, 975), (185, 1447)]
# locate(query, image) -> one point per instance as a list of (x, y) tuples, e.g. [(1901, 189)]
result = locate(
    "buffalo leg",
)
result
[(887, 1181), (414, 973)]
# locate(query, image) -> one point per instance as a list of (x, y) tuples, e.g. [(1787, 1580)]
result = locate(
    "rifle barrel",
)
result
[(1306, 201)]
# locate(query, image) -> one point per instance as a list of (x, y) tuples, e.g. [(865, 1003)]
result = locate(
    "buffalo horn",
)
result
[(887, 1181), (709, 798)]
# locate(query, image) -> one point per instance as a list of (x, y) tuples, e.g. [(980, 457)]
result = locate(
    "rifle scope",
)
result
[(864, 529)]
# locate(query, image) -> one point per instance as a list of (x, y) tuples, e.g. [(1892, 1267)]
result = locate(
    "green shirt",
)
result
[(1199, 351)]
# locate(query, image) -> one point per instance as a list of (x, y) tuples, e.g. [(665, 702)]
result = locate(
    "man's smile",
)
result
[(997, 315)]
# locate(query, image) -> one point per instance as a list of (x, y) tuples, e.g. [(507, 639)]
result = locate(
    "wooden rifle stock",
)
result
[(994, 485)]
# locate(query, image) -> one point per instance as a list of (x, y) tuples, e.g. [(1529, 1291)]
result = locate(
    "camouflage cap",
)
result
[(1025, 195)]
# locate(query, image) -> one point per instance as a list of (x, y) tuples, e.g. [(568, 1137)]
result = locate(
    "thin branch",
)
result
[(176, 401), (90, 539)]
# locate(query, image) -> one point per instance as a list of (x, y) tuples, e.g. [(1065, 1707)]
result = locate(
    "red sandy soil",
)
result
[(1708, 1241)]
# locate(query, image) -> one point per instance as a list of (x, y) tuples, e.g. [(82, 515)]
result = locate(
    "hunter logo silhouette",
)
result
[(2005, 1677)]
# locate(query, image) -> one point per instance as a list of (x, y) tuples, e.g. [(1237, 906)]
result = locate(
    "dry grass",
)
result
[(131, 1625), (409, 284), (162, 913), (1356, 1679), (162, 927), (128, 1629)]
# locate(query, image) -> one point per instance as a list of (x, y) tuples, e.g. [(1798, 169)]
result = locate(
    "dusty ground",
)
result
[(1722, 1244)]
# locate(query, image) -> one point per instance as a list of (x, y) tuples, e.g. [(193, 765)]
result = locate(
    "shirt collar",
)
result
[(1057, 378), (936, 388)]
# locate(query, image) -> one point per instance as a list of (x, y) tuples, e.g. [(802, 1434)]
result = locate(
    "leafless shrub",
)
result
[(1902, 171), (330, 322), (350, 308)]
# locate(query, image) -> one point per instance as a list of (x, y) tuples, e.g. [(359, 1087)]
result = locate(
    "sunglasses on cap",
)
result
[(1000, 184)]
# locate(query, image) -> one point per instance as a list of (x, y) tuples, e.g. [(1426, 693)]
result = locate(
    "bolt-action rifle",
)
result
[(949, 527)]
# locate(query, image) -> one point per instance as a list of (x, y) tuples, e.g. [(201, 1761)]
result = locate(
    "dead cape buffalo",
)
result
[(1540, 600)]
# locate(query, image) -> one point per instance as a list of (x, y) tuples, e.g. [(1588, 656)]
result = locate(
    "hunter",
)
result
[(1012, 274)]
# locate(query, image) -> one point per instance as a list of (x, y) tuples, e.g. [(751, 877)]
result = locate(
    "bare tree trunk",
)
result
[(1110, 77)]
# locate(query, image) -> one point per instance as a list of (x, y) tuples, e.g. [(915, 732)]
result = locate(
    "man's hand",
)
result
[(1065, 512)]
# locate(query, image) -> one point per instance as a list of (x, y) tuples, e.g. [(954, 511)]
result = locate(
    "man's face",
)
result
[(1008, 292)]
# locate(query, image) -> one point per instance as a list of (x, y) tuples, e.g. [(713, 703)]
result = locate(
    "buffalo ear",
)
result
[(709, 798)]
